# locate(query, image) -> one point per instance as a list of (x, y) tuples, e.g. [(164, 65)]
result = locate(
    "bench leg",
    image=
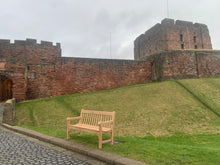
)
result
[(100, 141), (112, 138), (67, 134)]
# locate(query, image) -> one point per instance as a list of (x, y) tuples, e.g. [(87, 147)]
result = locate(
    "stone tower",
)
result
[(172, 35)]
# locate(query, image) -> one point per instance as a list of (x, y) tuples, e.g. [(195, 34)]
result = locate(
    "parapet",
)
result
[(3, 41), (30, 42), (183, 23), (168, 21)]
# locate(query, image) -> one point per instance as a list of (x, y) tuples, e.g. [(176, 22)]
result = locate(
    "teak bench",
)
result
[(97, 122)]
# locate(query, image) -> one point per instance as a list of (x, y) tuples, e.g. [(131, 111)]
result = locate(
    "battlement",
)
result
[(168, 21), (29, 42)]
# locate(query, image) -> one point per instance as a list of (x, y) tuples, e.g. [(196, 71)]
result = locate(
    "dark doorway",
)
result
[(5, 88)]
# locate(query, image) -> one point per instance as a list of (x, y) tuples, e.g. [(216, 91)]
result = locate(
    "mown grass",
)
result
[(207, 90), (155, 121)]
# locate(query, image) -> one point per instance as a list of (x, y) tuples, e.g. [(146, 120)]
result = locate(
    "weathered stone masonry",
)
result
[(39, 71), (31, 70), (183, 64), (172, 35)]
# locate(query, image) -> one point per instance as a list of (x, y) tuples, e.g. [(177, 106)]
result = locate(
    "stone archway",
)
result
[(5, 88)]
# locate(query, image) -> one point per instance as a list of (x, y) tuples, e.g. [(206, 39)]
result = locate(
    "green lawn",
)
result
[(208, 90), (157, 123)]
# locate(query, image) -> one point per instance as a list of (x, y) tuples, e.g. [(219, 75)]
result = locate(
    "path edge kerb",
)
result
[(95, 153)]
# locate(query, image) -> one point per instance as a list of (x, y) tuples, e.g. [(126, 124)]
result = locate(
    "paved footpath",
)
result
[(15, 149)]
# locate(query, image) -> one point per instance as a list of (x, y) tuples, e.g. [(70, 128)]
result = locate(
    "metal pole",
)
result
[(110, 46)]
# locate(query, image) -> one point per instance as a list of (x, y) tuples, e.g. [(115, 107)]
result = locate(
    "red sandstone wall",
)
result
[(21, 58), (30, 51), (15, 71), (208, 63), (79, 75), (166, 37), (185, 64)]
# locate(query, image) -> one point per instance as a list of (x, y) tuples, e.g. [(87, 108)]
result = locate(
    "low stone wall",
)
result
[(9, 112)]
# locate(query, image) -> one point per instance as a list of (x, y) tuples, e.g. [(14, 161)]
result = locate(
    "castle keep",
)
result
[(170, 35), (170, 50)]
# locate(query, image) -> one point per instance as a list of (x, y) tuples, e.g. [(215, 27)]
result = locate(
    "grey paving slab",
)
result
[(15, 149)]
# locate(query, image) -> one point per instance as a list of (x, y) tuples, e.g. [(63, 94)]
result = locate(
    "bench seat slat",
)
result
[(89, 128)]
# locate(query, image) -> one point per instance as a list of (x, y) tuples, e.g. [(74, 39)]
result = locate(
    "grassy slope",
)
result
[(142, 111), (207, 90)]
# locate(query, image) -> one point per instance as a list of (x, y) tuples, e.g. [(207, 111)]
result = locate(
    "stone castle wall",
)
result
[(172, 35), (80, 75), (17, 58), (38, 70), (185, 64)]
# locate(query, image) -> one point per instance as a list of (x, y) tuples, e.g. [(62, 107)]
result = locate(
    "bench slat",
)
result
[(95, 129)]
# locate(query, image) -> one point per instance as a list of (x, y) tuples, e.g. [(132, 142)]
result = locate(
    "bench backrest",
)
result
[(93, 117)]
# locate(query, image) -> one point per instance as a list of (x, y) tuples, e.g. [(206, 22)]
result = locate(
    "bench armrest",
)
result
[(73, 118)]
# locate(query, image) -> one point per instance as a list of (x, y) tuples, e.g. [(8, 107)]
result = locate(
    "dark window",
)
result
[(181, 37), (28, 67), (194, 39), (33, 75), (182, 46), (195, 46)]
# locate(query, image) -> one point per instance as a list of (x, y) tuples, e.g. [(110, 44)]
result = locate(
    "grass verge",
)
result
[(178, 149)]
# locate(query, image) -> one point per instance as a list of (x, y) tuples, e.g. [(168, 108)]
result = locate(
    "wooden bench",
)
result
[(97, 122)]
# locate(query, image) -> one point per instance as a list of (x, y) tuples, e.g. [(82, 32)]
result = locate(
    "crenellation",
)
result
[(58, 45), (19, 42), (4, 41), (184, 23), (31, 41), (200, 25), (167, 21), (46, 43)]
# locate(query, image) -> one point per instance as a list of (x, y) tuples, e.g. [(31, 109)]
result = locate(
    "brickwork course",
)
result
[(31, 70)]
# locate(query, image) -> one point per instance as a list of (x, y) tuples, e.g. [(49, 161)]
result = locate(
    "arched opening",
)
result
[(5, 88)]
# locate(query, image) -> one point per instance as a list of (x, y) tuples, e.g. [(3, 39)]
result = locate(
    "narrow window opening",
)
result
[(181, 37), (182, 46), (195, 46), (194, 39)]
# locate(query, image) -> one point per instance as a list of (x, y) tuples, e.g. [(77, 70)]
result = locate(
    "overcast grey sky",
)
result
[(84, 27)]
